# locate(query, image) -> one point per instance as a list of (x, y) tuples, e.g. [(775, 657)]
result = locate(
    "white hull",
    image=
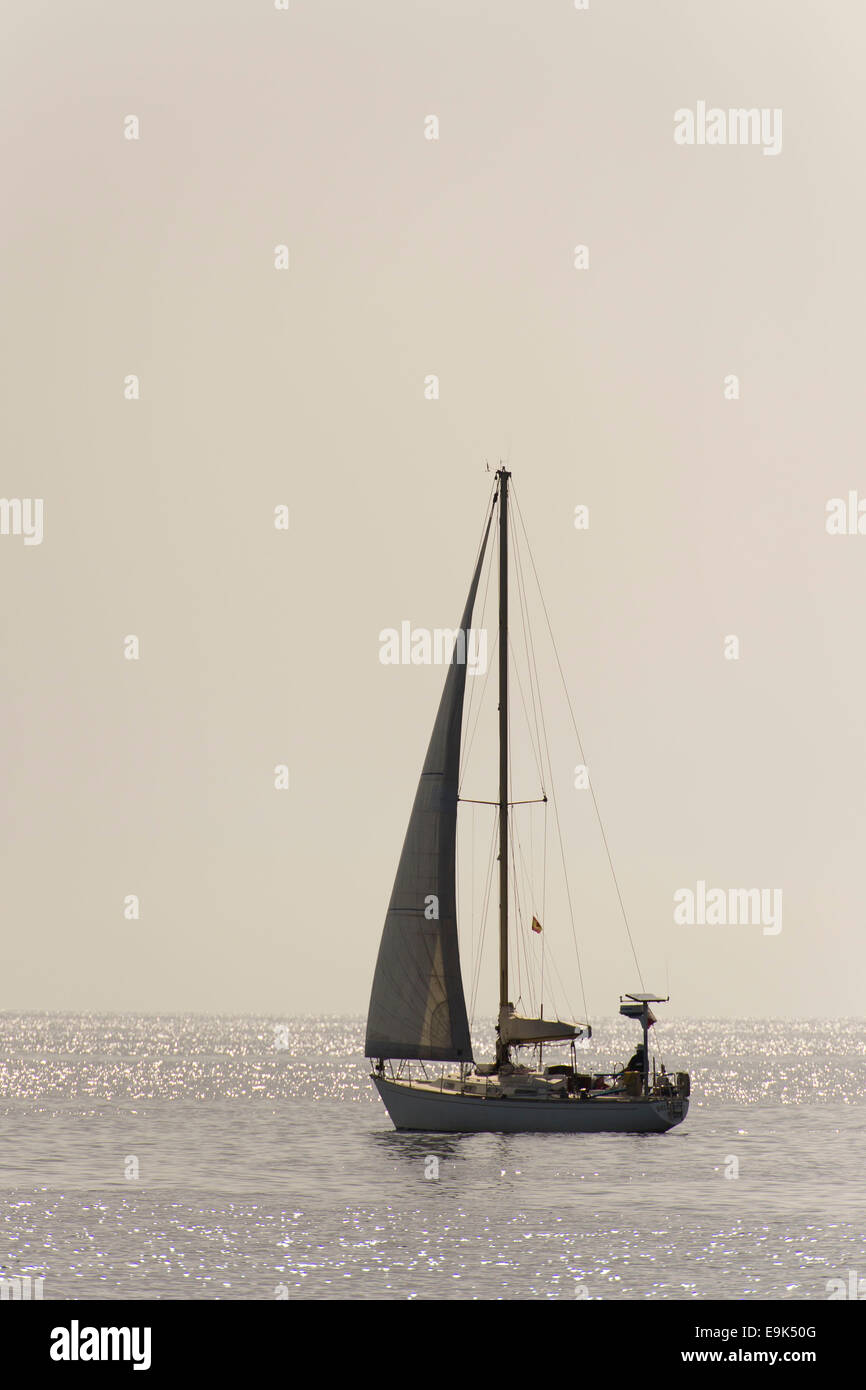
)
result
[(418, 1106)]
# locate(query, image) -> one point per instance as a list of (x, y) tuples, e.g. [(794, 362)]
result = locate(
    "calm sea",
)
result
[(204, 1157)]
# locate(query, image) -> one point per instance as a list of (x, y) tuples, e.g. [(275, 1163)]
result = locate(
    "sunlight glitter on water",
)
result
[(265, 1162)]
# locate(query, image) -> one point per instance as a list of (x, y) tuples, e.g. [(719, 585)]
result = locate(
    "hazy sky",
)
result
[(259, 386)]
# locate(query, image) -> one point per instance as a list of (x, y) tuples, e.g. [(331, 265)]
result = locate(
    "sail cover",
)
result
[(515, 1029), (417, 1007)]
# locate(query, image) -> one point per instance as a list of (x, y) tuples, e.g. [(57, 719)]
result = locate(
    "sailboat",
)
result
[(417, 1012)]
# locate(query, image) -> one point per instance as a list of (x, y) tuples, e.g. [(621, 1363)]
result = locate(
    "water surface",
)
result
[(266, 1166)]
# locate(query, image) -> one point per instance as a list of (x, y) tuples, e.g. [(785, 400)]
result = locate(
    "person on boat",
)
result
[(636, 1063)]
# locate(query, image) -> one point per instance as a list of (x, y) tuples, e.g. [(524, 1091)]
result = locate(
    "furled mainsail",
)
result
[(514, 1029), (417, 1006)]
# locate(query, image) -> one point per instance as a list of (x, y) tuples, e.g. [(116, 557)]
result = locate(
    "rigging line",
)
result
[(485, 907), (472, 801), (656, 1046), (531, 893), (457, 913), (535, 683), (476, 945), (466, 750), (570, 1012), (532, 890), (526, 874), (471, 883), (543, 942), (560, 837), (492, 499), (534, 693), (514, 923), (522, 936), (492, 511), (544, 894), (468, 747), (544, 864), (519, 934), (532, 878), (565, 873), (580, 748), (488, 894), (525, 710), (535, 697), (487, 902), (521, 919), (472, 880), (529, 641)]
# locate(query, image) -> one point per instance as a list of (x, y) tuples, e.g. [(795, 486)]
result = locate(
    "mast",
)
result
[(503, 476)]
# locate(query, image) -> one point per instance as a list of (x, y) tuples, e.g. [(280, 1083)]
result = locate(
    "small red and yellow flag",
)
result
[(536, 925)]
